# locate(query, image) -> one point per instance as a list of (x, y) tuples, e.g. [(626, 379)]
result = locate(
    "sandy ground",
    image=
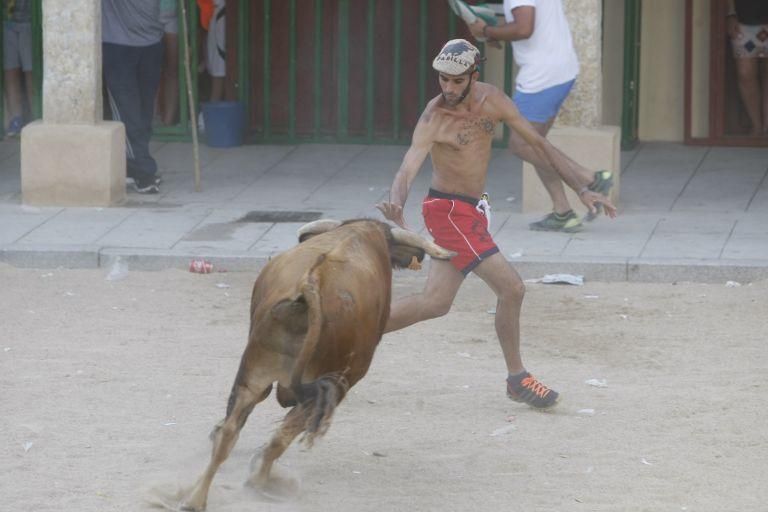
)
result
[(109, 388)]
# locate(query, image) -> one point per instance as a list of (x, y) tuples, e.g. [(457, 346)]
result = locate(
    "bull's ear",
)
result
[(317, 227)]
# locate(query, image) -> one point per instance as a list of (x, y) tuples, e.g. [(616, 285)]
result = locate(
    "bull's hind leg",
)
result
[(311, 416), (292, 426), (224, 437)]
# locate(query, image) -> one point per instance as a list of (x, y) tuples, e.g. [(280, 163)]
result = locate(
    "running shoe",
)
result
[(145, 185), (14, 127), (602, 185), (129, 180), (568, 223), (531, 391)]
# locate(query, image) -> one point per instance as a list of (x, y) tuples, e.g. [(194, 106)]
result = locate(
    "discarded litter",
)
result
[(27, 446), (732, 284), (510, 199), (170, 423), (646, 462), (586, 412), (624, 317), (118, 271), (464, 354), (573, 279), (598, 383), (591, 296), (7, 349), (69, 294), (506, 429), (222, 285), (200, 266), (491, 311), (516, 254)]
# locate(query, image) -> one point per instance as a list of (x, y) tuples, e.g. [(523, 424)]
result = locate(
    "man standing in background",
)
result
[(132, 57), (543, 50)]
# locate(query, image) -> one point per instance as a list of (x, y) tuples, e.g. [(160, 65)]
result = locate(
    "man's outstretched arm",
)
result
[(421, 143), (549, 154)]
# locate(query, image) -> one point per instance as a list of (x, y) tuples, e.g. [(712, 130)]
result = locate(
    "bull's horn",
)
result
[(406, 237), (317, 227)]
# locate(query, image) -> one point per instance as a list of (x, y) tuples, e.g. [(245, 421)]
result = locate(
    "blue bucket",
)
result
[(224, 123)]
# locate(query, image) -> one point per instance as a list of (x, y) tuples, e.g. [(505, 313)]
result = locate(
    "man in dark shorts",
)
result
[(456, 130)]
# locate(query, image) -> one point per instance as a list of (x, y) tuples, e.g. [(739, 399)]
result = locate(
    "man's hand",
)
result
[(393, 212), (592, 199), (476, 29)]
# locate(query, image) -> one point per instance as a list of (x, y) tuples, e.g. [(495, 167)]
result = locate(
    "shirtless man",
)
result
[(456, 129)]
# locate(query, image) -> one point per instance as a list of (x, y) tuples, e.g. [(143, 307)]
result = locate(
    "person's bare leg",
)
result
[(551, 179), (548, 176), (13, 92), (764, 77), (505, 282), (29, 86), (443, 282), (749, 88)]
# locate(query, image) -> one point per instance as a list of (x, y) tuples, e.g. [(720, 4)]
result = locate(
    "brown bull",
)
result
[(318, 312)]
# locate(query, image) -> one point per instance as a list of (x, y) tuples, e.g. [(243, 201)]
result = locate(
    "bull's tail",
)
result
[(318, 398)]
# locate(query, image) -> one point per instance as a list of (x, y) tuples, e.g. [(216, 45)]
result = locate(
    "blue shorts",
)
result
[(540, 107)]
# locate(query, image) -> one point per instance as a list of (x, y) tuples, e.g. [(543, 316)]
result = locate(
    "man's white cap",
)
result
[(457, 57)]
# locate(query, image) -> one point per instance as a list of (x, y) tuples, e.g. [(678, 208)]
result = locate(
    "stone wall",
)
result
[(583, 108), (72, 71)]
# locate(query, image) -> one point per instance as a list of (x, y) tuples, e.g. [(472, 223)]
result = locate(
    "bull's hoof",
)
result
[(186, 507), (176, 499), (274, 488)]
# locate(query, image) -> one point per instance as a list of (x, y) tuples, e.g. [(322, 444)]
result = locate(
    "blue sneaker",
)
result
[(14, 127)]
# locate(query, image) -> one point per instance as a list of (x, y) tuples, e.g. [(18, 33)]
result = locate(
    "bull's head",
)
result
[(405, 246)]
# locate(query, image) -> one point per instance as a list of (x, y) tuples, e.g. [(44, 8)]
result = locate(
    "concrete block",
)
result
[(158, 259), (594, 148), (711, 270), (73, 164), (50, 256)]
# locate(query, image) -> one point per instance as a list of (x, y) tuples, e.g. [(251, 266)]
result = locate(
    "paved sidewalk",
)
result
[(686, 212)]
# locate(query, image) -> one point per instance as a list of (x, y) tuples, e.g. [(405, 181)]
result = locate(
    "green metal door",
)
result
[(630, 113), (345, 71)]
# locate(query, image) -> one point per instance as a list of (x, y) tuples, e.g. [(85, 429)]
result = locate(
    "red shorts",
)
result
[(455, 223)]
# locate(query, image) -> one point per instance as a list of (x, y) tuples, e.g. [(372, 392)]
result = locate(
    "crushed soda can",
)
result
[(200, 266)]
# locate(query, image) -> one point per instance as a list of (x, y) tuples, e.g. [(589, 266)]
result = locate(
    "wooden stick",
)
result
[(190, 95)]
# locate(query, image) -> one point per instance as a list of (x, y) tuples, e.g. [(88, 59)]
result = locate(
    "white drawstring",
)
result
[(484, 207)]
